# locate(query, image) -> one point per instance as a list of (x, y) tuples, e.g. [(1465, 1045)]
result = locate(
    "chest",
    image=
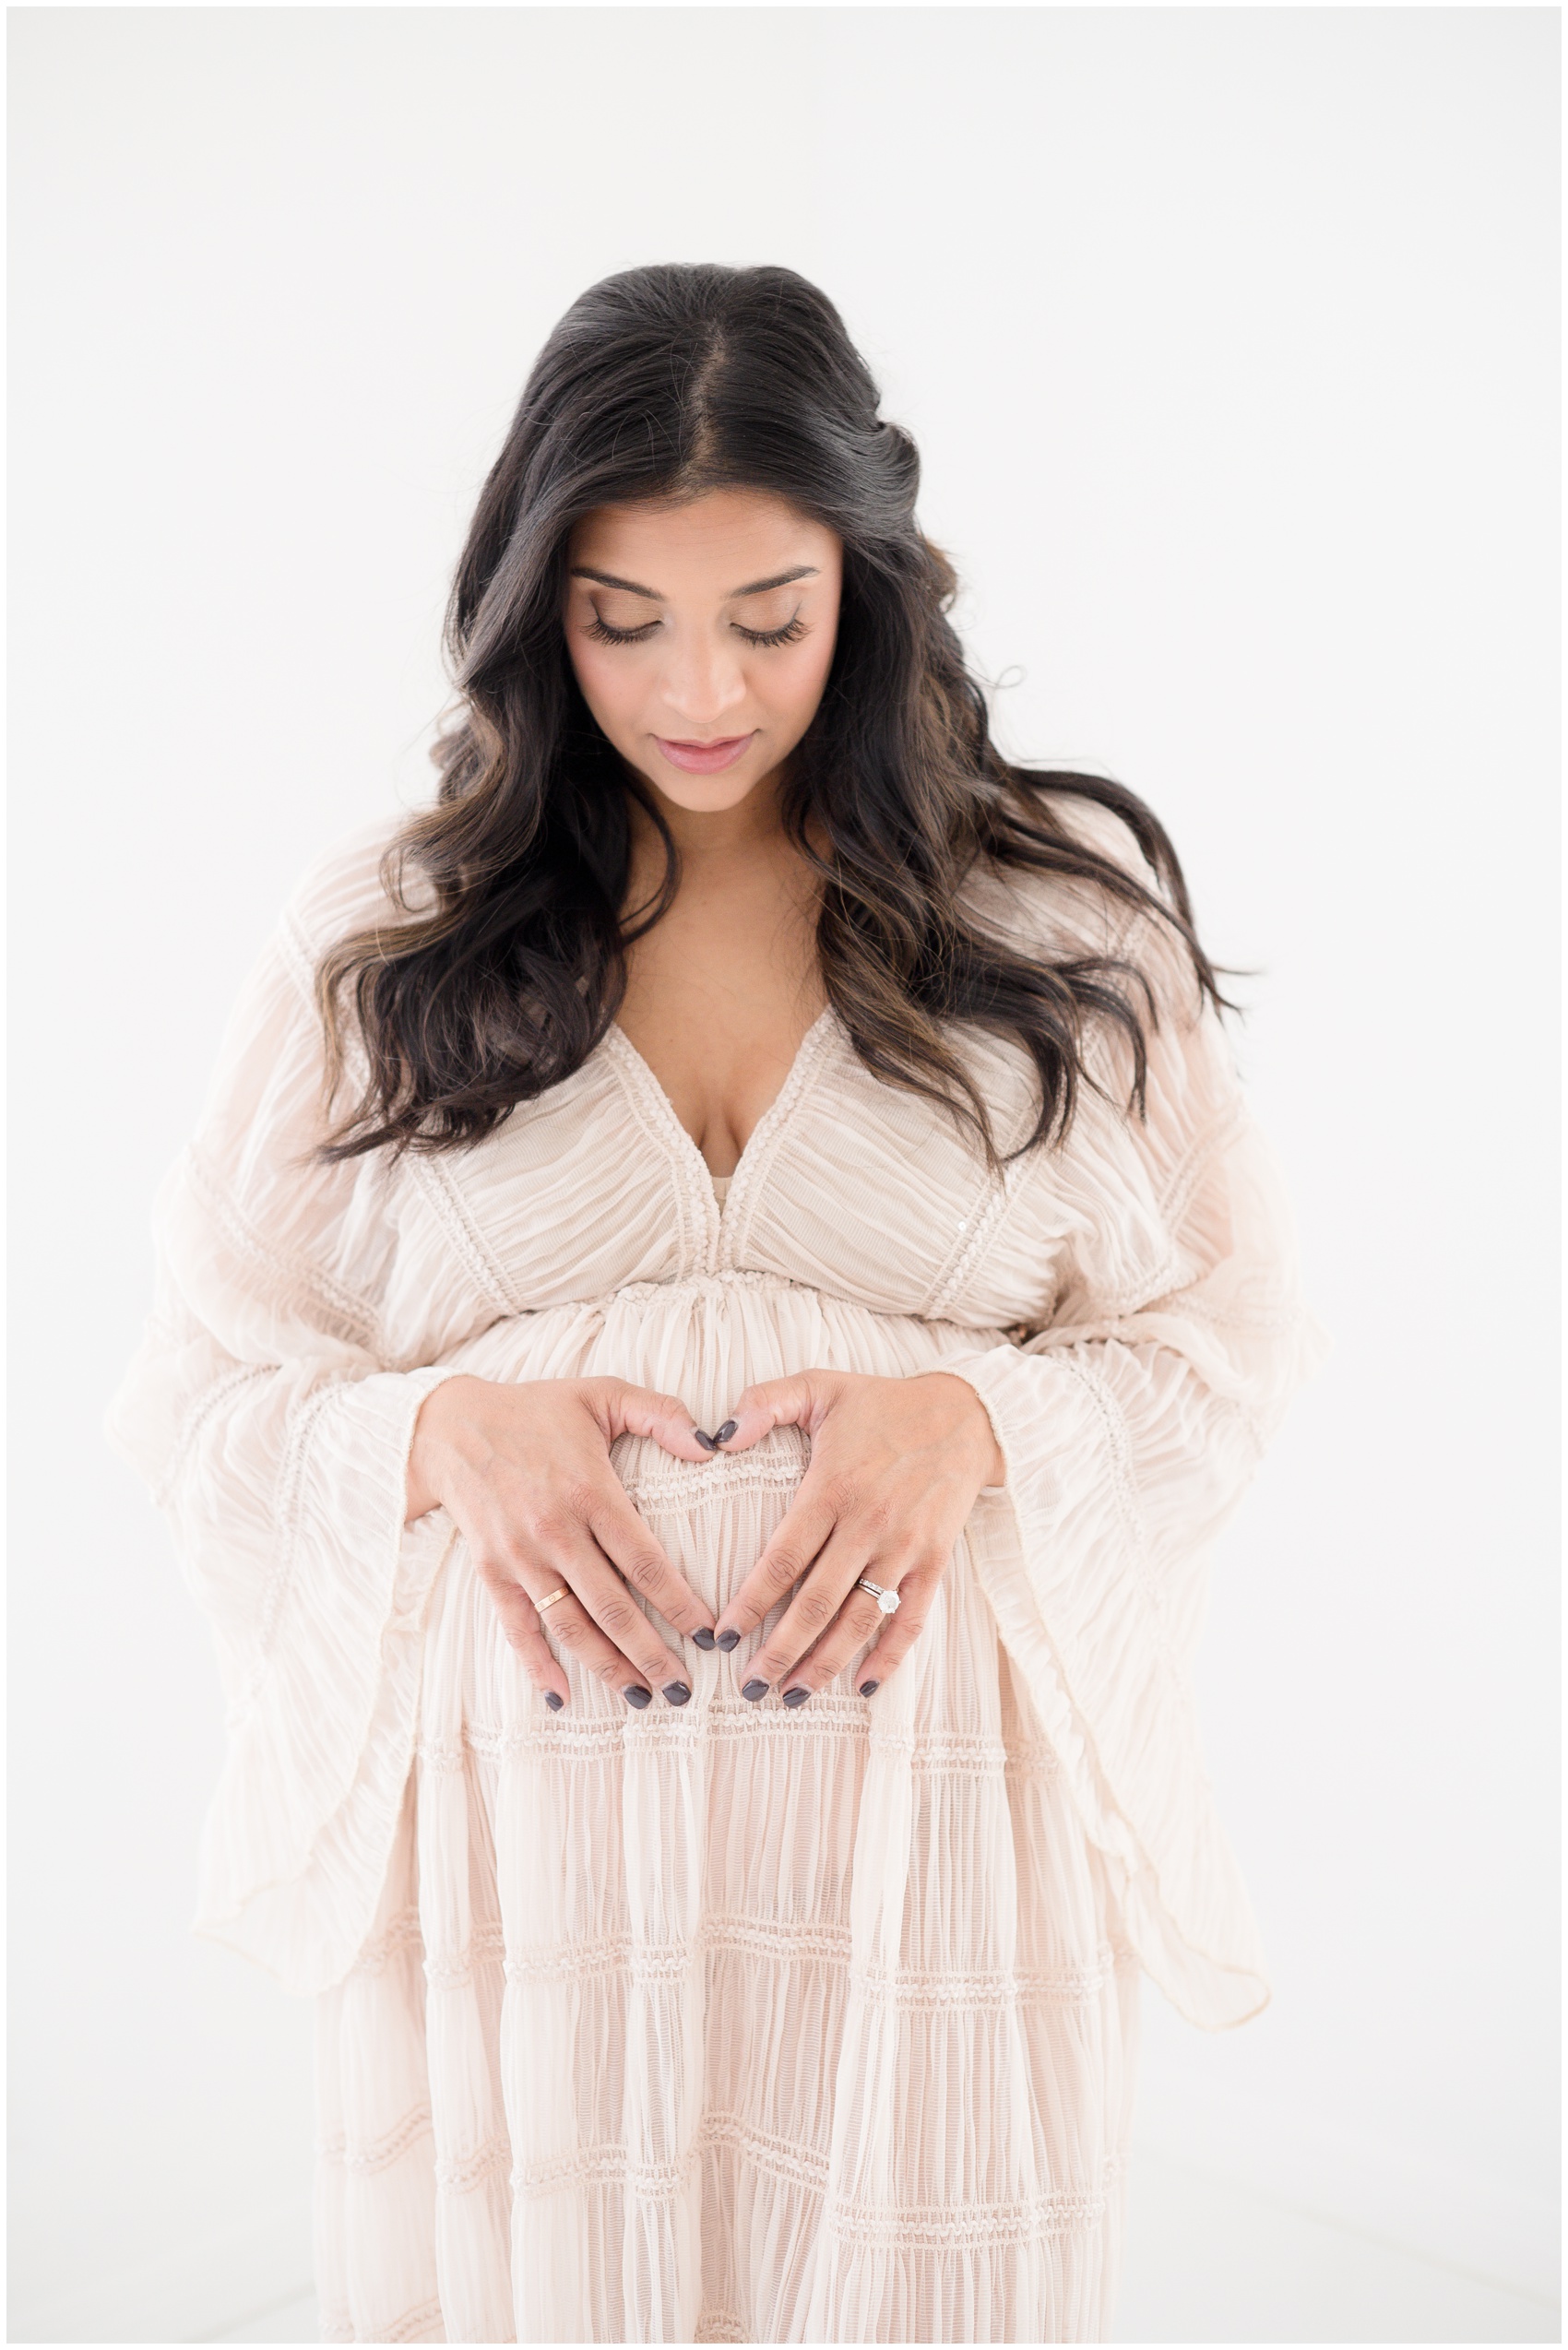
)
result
[(720, 995)]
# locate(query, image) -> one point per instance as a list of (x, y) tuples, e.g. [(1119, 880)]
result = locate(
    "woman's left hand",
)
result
[(894, 1468)]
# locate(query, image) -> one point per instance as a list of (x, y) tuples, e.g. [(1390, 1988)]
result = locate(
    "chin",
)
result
[(705, 795), (708, 796)]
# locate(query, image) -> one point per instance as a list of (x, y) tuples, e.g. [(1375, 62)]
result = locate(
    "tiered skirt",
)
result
[(731, 2022)]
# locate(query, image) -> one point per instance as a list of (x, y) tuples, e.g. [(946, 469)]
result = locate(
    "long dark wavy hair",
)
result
[(668, 382)]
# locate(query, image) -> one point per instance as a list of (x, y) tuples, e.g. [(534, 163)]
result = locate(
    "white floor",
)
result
[(294, 2322), (1208, 2262)]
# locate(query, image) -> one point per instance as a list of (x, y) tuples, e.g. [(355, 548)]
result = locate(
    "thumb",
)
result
[(638, 1411), (801, 1401)]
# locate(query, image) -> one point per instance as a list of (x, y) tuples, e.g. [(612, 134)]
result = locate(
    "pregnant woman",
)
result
[(723, 1292)]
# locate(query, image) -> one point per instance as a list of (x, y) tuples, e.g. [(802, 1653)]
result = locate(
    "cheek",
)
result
[(610, 686), (789, 682), (801, 689)]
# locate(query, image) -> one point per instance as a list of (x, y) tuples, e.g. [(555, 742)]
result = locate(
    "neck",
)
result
[(707, 836)]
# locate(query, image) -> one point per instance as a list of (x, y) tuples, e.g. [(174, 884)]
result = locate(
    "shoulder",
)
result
[(1076, 916), (347, 886), (1065, 911)]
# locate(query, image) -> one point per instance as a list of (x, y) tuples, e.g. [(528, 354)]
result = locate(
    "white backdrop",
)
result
[(1227, 337)]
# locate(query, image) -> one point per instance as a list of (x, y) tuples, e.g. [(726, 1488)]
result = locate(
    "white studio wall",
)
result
[(1227, 339)]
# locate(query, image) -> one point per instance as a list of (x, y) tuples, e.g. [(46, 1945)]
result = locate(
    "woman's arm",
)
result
[(275, 1422), (262, 1412), (1112, 1446)]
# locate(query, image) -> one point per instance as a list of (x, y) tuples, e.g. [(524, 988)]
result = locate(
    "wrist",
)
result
[(992, 1462), (423, 1481)]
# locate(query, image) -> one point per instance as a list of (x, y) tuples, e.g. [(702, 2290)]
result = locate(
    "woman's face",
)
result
[(702, 634)]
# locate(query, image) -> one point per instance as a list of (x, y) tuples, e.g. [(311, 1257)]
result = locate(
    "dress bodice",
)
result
[(847, 1186)]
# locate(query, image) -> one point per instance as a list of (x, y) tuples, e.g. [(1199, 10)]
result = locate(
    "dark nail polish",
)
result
[(677, 1692), (869, 1688), (554, 1700), (703, 1638), (637, 1696), (722, 1435), (796, 1696), (710, 1444), (754, 1690), (728, 1640)]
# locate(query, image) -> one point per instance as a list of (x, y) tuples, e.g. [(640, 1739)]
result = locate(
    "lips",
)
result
[(706, 758)]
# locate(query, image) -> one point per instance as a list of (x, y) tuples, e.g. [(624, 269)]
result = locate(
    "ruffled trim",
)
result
[(1084, 1627)]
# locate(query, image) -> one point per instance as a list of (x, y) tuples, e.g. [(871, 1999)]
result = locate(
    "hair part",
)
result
[(666, 383)]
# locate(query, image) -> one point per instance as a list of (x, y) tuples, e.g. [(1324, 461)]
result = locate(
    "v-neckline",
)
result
[(772, 1118)]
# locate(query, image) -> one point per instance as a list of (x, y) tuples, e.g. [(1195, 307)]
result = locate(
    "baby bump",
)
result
[(707, 1338), (704, 1341), (712, 1520)]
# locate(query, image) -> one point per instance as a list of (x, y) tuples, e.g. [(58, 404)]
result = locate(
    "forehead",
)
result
[(721, 537)]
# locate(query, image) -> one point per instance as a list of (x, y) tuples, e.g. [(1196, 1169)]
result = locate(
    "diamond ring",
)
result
[(885, 1600)]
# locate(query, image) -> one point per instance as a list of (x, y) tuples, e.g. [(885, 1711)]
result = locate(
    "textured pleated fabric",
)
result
[(730, 2023)]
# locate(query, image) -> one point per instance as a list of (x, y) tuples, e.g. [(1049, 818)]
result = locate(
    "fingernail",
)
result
[(677, 1692), (796, 1696), (722, 1435), (637, 1696), (728, 1640), (869, 1688), (710, 1444), (554, 1700), (704, 1638), (754, 1690)]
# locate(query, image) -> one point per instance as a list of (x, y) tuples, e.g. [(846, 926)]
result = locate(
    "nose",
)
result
[(701, 684)]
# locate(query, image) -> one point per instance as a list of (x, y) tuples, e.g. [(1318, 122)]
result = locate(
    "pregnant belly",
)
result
[(704, 1340)]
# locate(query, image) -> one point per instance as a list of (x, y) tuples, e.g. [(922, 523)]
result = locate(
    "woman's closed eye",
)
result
[(792, 630), (600, 628), (790, 634)]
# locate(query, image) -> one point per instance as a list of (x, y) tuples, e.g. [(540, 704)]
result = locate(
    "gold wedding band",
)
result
[(541, 1605)]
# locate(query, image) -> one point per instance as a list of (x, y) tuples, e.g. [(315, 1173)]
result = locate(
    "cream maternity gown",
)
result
[(729, 2024)]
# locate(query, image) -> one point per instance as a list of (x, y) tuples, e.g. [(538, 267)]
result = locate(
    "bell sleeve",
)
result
[(1132, 1424), (264, 1414)]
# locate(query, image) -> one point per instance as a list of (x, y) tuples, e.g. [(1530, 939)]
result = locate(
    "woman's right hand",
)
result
[(523, 1472)]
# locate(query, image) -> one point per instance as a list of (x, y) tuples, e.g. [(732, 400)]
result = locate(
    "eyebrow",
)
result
[(757, 587)]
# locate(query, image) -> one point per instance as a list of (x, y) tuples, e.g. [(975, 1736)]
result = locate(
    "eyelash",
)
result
[(790, 633)]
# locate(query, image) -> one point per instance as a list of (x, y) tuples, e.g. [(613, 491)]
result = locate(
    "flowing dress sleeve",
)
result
[(262, 1411), (1132, 1426)]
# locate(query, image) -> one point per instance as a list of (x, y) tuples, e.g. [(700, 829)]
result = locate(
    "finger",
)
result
[(790, 1553), (627, 1542), (810, 1613), (571, 1627), (612, 1613), (859, 1619), (640, 1411), (523, 1626), (796, 1402), (600, 1624), (901, 1630)]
